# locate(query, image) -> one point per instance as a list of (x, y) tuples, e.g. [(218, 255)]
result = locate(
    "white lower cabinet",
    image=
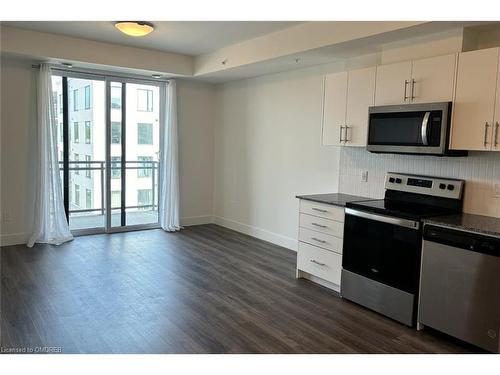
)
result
[(319, 257)]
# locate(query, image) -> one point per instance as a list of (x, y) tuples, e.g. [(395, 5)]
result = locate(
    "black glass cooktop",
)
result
[(406, 210)]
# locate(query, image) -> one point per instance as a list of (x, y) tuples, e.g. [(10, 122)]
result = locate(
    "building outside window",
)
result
[(88, 199), (144, 100), (145, 166), (116, 97), (77, 165), (76, 132), (75, 100), (88, 172), (88, 132), (116, 133), (87, 97), (144, 198), (144, 134), (77, 194), (116, 199), (60, 132), (116, 171)]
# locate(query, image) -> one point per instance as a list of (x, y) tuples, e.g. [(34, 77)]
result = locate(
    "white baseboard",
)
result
[(13, 239), (263, 234), (197, 220)]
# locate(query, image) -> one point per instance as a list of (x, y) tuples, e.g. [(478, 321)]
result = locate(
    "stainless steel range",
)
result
[(383, 242)]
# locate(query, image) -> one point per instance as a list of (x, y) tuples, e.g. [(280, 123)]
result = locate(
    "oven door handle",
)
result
[(385, 219), (425, 124)]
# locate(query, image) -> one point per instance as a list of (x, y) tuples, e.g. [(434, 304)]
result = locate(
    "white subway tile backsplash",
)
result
[(481, 170)]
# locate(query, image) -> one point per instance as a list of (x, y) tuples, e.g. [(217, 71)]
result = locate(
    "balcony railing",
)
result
[(100, 166)]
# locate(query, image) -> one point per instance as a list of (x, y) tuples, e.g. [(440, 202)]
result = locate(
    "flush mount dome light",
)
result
[(134, 28)]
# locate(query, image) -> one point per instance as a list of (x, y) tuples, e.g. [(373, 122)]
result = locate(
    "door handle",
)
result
[(406, 84), (412, 88), (425, 123), (340, 137), (486, 125), (497, 125)]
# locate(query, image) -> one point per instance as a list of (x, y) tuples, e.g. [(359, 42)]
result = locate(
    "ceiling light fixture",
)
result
[(67, 65), (134, 28), (156, 75)]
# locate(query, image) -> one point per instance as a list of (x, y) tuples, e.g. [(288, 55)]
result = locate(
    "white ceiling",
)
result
[(186, 37)]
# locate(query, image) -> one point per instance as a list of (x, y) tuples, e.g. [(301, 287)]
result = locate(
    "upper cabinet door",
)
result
[(334, 108), (360, 96), (433, 79), (474, 104), (495, 142), (393, 83)]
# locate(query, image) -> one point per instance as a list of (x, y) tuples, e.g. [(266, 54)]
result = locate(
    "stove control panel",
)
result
[(436, 186)]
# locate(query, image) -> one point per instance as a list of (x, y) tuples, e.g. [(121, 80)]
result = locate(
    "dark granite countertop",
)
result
[(336, 199), (473, 223)]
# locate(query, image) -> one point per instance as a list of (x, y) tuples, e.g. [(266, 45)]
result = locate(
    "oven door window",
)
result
[(405, 128), (383, 252)]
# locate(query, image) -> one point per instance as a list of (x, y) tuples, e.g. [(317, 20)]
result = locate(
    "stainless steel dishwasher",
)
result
[(460, 285)]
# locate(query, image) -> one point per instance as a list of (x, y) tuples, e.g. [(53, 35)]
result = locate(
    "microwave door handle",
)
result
[(425, 124)]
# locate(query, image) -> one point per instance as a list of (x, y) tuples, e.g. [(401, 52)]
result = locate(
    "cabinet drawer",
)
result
[(333, 228), (320, 239), (326, 211), (319, 262)]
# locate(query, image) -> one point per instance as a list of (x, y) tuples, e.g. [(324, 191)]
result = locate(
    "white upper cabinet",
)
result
[(360, 96), (334, 108), (393, 83), (345, 113), (418, 81), (433, 79), (495, 129), (473, 126)]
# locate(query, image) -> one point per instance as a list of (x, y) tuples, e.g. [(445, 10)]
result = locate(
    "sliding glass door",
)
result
[(108, 147)]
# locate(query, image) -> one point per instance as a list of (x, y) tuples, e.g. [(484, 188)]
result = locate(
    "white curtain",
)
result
[(169, 164), (50, 225)]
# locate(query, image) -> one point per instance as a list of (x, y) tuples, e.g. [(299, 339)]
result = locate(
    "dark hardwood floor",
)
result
[(206, 289)]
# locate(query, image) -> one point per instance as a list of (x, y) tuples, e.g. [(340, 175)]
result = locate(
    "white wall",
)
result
[(18, 137), (267, 150)]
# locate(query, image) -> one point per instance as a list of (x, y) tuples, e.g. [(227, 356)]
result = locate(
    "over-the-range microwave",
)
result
[(411, 129)]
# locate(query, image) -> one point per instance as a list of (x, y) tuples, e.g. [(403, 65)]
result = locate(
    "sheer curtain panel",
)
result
[(169, 164), (50, 224)]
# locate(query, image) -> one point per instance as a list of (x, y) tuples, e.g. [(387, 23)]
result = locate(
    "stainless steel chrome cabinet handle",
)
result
[(406, 84), (318, 225), (340, 136), (486, 125), (318, 209), (318, 240), (412, 89), (497, 125), (318, 263)]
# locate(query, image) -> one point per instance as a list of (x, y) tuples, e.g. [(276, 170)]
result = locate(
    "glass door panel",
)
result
[(86, 153), (116, 151), (142, 153)]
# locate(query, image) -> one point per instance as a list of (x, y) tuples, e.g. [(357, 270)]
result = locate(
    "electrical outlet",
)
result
[(496, 191), (364, 176)]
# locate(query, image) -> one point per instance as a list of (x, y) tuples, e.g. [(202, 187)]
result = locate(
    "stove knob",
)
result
[(398, 180), (391, 180), (451, 187), (442, 186)]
